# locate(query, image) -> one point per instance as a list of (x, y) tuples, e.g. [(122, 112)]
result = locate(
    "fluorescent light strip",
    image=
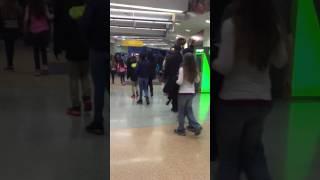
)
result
[(124, 27), (139, 12), (140, 21), (146, 8), (143, 28), (138, 17), (208, 21), (158, 29)]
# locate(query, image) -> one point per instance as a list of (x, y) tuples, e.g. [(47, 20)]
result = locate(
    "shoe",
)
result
[(174, 110), (87, 106), (74, 111), (191, 129), (133, 96), (139, 101), (147, 100), (180, 132), (45, 72), (9, 69), (197, 132), (168, 102), (95, 129), (37, 73)]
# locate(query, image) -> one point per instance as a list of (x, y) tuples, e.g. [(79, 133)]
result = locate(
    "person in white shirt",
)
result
[(251, 42), (188, 76)]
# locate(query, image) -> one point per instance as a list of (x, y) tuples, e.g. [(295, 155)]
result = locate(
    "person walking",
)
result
[(93, 23), (11, 16), (172, 65), (188, 76), (77, 53), (37, 28), (153, 65), (250, 43), (132, 68), (143, 74)]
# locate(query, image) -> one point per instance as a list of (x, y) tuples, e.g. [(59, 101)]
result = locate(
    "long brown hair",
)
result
[(256, 31), (37, 8), (189, 65)]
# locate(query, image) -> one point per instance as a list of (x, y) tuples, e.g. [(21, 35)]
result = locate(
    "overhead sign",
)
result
[(132, 43)]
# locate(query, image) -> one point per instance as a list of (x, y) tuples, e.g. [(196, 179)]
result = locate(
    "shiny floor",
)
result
[(38, 141), (143, 145)]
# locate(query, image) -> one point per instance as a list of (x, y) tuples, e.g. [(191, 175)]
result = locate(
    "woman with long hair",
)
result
[(36, 25), (10, 17), (188, 76), (251, 42)]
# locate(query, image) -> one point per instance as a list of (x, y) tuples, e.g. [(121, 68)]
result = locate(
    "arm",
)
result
[(26, 19), (180, 77), (197, 80), (87, 16), (225, 60)]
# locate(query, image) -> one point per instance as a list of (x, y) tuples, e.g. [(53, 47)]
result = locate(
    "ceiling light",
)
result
[(155, 22), (143, 28), (139, 11), (158, 29), (138, 17), (145, 8), (208, 21), (188, 30), (178, 24), (196, 38)]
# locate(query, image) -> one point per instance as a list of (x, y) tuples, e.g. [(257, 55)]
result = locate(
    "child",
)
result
[(10, 21), (77, 53), (188, 76), (36, 25), (122, 71), (132, 67)]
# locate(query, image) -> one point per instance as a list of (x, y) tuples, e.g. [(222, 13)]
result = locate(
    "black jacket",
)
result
[(68, 34), (94, 24), (143, 69), (171, 72)]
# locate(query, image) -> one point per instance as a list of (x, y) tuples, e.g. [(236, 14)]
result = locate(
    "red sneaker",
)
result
[(74, 111)]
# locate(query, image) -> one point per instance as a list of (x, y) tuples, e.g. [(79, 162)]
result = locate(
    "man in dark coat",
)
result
[(171, 71)]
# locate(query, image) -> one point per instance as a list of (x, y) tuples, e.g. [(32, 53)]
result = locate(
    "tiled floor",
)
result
[(38, 141), (143, 145)]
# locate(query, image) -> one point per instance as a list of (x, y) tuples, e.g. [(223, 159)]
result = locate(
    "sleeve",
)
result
[(26, 18), (280, 55), (225, 60), (197, 79), (180, 77), (87, 16)]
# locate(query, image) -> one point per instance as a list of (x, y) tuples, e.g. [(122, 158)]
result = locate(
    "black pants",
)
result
[(40, 43), (122, 77), (9, 47), (98, 62), (240, 144), (10, 37), (150, 84), (113, 73)]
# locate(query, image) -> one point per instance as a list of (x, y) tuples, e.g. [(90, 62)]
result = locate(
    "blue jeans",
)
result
[(98, 62), (185, 109), (143, 86), (240, 146)]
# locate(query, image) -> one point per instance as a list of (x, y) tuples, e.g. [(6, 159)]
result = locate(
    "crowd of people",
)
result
[(178, 71), (79, 31)]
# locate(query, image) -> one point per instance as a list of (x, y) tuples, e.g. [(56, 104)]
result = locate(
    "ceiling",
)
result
[(156, 24)]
